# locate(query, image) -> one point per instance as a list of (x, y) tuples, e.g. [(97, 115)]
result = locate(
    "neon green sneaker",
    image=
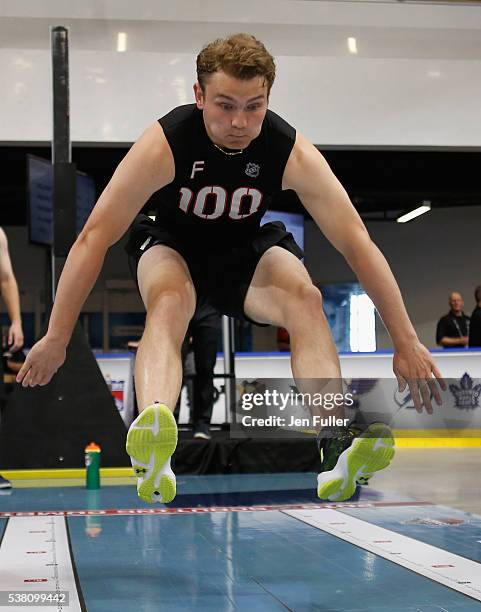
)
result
[(151, 441), (331, 447), (353, 458)]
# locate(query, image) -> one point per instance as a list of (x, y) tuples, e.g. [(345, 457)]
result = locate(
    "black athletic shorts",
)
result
[(221, 275)]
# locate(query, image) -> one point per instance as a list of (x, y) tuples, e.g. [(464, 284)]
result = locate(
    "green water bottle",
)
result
[(92, 464)]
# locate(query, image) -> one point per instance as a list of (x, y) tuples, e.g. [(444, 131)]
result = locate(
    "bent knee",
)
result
[(305, 301), (172, 303)]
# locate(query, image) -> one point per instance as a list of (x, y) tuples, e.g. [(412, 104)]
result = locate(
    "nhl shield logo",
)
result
[(252, 170)]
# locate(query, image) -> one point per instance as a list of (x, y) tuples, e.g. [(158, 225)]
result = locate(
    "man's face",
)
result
[(233, 109), (456, 303)]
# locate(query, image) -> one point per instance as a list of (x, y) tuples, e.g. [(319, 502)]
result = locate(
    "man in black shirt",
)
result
[(452, 330), (475, 322), (216, 165)]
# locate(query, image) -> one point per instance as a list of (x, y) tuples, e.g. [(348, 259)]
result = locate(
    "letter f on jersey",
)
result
[(198, 166)]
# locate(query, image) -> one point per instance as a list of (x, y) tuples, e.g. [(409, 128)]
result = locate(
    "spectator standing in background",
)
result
[(11, 297), (204, 329), (475, 323), (453, 329)]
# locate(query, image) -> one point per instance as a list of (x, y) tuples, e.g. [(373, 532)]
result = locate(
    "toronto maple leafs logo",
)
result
[(252, 170), (466, 395)]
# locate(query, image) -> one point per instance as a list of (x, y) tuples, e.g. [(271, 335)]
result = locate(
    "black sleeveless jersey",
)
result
[(214, 197)]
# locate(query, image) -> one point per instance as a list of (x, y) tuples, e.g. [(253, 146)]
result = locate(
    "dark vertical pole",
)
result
[(61, 149), (229, 366), (232, 367), (64, 177)]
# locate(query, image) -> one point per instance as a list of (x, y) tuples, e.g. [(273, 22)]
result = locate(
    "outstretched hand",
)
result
[(414, 366), (42, 362)]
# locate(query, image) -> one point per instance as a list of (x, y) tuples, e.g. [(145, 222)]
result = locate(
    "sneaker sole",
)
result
[(371, 452), (151, 441)]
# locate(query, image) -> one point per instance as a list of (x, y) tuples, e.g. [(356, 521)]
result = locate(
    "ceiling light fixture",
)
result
[(121, 42), (424, 208)]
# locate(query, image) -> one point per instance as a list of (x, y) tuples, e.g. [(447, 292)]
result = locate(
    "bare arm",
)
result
[(10, 294), (148, 166), (325, 199), (447, 341), (329, 205)]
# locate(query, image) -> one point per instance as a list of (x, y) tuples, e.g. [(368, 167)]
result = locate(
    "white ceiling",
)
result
[(290, 27), (415, 79), (281, 39)]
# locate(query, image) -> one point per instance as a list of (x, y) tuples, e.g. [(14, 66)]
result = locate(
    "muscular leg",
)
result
[(281, 293), (169, 297)]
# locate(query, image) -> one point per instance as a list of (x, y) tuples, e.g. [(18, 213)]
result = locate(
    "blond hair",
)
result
[(240, 55)]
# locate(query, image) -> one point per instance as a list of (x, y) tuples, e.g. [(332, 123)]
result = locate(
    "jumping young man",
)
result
[(217, 164)]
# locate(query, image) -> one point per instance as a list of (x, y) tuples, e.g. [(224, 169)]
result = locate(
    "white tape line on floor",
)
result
[(35, 556), (449, 569)]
